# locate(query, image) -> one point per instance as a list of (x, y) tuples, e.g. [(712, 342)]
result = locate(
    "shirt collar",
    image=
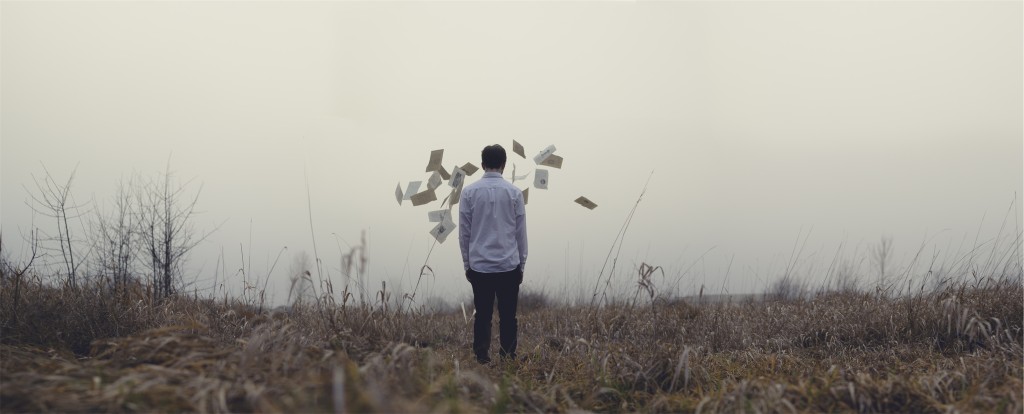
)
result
[(492, 174)]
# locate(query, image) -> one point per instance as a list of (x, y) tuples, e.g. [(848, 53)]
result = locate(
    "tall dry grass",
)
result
[(954, 348)]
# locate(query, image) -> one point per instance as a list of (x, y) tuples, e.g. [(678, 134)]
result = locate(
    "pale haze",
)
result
[(760, 126)]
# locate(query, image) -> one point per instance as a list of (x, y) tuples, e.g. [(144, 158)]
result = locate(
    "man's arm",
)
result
[(465, 224), (521, 230)]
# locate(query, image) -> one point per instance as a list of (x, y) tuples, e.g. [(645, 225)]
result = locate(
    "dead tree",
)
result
[(54, 200), (164, 228), (115, 238)]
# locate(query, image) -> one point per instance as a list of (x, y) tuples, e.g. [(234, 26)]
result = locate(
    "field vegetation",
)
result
[(108, 326), (955, 347)]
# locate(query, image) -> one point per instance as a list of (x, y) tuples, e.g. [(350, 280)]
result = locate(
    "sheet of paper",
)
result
[(444, 173), (443, 229), (435, 160), (453, 199), (398, 193), (585, 202), (516, 177), (458, 176), (434, 181), (518, 148), (469, 168), (543, 155), (437, 216), (423, 198), (413, 187), (553, 161), (540, 179), (526, 196)]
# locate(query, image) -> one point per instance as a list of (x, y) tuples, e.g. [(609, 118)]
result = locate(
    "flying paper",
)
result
[(444, 173), (435, 160), (543, 155), (437, 216), (424, 197), (469, 168), (434, 181), (552, 161), (398, 193), (540, 179), (413, 187), (585, 202), (518, 177), (526, 196), (456, 195), (458, 176), (518, 148), (443, 229)]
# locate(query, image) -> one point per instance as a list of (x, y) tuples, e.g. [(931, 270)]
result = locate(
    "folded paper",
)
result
[(540, 179), (585, 202), (398, 193), (518, 148), (443, 229), (424, 197), (437, 216), (543, 155), (435, 160), (458, 176), (413, 187), (469, 168), (553, 161), (434, 181)]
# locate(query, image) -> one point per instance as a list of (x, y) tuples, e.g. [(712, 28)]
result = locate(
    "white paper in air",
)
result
[(540, 179)]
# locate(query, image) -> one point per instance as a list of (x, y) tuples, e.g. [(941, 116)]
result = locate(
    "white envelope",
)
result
[(543, 155), (540, 179)]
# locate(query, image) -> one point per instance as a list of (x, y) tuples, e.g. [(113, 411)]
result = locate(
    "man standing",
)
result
[(492, 236)]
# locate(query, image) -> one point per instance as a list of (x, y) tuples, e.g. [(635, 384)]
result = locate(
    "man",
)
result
[(492, 236)]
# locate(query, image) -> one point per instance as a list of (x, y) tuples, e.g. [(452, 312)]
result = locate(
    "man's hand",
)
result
[(522, 267), (467, 276)]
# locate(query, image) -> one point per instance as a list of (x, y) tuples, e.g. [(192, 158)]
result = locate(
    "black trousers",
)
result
[(486, 288)]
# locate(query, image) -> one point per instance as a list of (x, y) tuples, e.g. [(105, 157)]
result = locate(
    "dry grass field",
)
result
[(953, 348)]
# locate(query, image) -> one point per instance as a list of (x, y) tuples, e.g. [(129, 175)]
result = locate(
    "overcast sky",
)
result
[(764, 123)]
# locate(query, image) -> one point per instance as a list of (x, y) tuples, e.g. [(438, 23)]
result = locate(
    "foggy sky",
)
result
[(763, 123)]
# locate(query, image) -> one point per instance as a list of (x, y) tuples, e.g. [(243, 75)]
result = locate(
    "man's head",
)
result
[(493, 158)]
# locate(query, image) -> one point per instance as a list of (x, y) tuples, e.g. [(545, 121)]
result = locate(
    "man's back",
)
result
[(492, 225)]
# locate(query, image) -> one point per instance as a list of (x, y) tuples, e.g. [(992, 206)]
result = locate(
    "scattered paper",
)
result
[(437, 216), (469, 168), (454, 198), (526, 196), (424, 197), (543, 155), (585, 202), (398, 193), (435, 160), (443, 229), (540, 179), (518, 148), (553, 161), (444, 173), (458, 176), (413, 187), (434, 181), (518, 177)]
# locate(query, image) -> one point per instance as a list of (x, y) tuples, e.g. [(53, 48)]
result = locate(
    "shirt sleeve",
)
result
[(521, 228), (465, 224)]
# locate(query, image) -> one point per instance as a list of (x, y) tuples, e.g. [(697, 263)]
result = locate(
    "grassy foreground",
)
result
[(958, 348)]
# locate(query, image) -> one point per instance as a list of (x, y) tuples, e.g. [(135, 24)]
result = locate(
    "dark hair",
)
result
[(493, 156)]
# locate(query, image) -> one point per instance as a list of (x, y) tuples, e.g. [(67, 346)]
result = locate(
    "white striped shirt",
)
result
[(492, 225)]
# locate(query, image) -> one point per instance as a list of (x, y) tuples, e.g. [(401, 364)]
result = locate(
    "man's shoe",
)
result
[(483, 360)]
